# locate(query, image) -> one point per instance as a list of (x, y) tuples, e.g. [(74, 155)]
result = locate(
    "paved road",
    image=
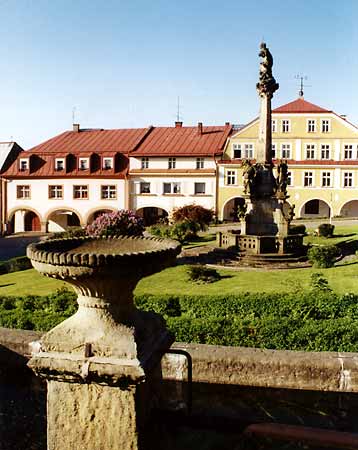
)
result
[(15, 245)]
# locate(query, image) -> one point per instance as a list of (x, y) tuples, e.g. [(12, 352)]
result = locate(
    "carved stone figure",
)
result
[(267, 83), (242, 211), (282, 170), (249, 176), (291, 213)]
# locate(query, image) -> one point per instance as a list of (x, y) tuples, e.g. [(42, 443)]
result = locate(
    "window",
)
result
[(326, 179), (200, 163), (325, 126), (199, 188), (311, 125), (144, 163), (171, 188), (273, 151), (273, 126), (107, 163), (144, 187), (237, 151), (310, 151), (308, 179), (249, 151), (325, 151), (231, 177), (286, 151), (24, 164), (83, 163), (172, 163), (60, 164), (347, 179), (286, 126), (108, 192), (55, 191), (289, 178), (348, 152), (80, 191), (23, 191)]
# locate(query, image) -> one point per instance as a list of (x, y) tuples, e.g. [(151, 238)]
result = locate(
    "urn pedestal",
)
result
[(100, 362)]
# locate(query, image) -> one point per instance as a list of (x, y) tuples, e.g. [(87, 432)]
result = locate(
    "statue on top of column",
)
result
[(267, 83)]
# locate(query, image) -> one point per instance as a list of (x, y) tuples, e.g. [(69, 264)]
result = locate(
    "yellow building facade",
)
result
[(321, 149)]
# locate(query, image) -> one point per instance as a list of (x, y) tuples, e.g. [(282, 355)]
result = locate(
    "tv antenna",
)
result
[(73, 114), (302, 79)]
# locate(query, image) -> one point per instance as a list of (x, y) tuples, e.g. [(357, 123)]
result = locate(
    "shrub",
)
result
[(15, 264), (202, 274), (319, 282), (325, 230), (183, 231), (194, 213), (118, 223), (323, 256), (297, 229), (160, 230), (70, 233)]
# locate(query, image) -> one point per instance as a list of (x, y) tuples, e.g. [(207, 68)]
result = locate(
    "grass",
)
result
[(342, 278)]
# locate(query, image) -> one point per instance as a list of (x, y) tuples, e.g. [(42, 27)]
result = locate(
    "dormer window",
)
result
[(24, 164), (83, 163), (144, 163), (172, 163), (107, 163), (60, 164)]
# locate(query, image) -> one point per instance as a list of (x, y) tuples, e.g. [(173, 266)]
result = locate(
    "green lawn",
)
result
[(342, 278)]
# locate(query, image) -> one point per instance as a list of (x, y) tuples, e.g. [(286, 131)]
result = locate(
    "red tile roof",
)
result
[(184, 141), (300, 106)]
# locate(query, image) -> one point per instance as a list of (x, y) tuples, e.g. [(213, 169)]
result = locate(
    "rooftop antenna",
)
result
[(178, 109), (73, 114), (302, 78)]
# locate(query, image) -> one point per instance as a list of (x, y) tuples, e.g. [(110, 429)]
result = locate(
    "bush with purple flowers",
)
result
[(119, 223)]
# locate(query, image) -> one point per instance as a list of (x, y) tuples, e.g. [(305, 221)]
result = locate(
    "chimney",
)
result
[(227, 124), (344, 116), (200, 127), (76, 128), (178, 124)]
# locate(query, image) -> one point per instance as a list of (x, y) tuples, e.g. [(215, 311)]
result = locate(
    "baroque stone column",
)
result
[(99, 363)]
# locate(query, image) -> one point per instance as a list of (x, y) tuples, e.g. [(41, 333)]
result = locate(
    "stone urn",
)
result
[(95, 360)]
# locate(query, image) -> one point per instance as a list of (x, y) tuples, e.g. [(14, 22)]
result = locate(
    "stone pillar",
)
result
[(100, 363), (44, 227), (264, 153)]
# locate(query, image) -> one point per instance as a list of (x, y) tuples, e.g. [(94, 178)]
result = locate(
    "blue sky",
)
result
[(124, 63)]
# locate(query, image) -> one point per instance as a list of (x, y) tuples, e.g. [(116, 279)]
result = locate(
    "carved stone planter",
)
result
[(95, 361)]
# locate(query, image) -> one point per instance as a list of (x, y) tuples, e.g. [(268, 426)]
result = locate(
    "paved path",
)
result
[(15, 245)]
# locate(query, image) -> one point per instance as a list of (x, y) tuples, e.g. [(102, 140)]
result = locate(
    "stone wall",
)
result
[(231, 385)]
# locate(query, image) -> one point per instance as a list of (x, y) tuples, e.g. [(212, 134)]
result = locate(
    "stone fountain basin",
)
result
[(66, 258)]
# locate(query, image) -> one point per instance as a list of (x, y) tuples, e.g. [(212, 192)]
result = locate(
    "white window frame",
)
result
[(82, 190), (57, 190), (236, 147), (286, 125), (348, 148), (172, 162), (289, 178), (107, 163), (197, 184), (24, 164), (174, 188), (83, 163), (144, 187), (60, 162), (347, 179), (287, 148), (311, 126), (309, 177), (273, 125), (144, 162), (327, 176), (23, 191), (199, 163), (231, 177), (249, 150), (310, 150), (273, 151), (325, 125), (108, 192), (324, 149)]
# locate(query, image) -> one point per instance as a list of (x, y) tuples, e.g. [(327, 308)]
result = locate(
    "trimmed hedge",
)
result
[(15, 264), (313, 321)]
